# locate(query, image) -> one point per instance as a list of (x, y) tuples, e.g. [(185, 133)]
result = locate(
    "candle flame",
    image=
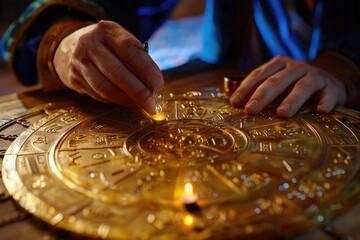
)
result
[(189, 189)]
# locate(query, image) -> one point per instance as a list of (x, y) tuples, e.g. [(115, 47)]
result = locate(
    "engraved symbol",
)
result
[(73, 159), (79, 139), (31, 161), (70, 119), (265, 147), (40, 140), (53, 128), (2, 154), (97, 126), (39, 182), (108, 139), (8, 137), (23, 123), (99, 156)]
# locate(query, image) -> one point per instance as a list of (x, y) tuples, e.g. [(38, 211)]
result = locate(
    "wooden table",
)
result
[(18, 224)]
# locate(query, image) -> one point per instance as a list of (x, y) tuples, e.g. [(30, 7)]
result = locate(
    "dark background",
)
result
[(9, 11)]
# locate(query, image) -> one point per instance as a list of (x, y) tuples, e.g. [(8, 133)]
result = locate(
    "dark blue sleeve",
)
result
[(19, 44), (340, 28)]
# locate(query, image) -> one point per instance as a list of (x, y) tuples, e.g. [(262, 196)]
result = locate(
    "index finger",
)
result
[(130, 50), (248, 86)]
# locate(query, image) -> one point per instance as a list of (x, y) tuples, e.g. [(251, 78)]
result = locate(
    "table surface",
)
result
[(17, 224)]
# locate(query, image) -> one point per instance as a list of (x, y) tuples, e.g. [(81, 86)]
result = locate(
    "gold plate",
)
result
[(110, 172)]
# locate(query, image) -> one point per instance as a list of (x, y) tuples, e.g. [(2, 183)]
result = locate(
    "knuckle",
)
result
[(114, 73), (103, 25), (273, 81), (304, 85), (278, 58), (101, 88), (257, 72), (281, 58), (129, 44), (260, 93)]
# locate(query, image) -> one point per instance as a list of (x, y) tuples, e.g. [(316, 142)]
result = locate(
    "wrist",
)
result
[(50, 41)]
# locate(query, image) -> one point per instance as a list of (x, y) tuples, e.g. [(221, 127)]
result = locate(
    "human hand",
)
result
[(282, 74), (109, 64)]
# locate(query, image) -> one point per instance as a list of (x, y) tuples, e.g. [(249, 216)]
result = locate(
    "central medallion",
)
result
[(186, 142)]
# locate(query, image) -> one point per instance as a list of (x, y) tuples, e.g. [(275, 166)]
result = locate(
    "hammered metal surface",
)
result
[(110, 172)]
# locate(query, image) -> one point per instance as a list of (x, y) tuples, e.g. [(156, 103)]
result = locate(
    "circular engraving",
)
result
[(186, 141), (108, 172)]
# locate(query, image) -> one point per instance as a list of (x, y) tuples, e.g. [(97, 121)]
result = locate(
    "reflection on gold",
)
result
[(110, 173), (159, 118), (188, 220)]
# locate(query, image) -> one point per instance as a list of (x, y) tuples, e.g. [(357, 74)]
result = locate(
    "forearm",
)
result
[(20, 43)]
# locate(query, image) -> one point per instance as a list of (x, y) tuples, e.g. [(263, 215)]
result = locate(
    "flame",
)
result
[(189, 191)]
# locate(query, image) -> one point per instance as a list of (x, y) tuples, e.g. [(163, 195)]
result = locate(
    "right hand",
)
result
[(109, 64)]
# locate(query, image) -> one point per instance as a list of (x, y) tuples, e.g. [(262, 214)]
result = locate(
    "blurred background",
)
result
[(9, 11)]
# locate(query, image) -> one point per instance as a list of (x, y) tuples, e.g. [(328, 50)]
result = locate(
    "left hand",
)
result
[(269, 81)]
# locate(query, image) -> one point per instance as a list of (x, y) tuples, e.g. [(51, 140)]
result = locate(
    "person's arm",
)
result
[(340, 52), (330, 79), (20, 43), (108, 63), (103, 59)]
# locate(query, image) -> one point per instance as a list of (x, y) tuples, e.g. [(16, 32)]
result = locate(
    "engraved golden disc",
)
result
[(110, 172)]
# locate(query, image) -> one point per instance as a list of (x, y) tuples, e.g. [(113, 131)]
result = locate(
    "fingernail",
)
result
[(235, 98), (323, 107), (285, 107), (252, 105)]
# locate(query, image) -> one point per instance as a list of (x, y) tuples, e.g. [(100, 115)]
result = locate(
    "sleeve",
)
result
[(344, 69), (226, 28), (43, 22), (340, 51)]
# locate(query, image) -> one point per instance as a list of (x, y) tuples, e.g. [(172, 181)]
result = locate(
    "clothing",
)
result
[(19, 45), (236, 33)]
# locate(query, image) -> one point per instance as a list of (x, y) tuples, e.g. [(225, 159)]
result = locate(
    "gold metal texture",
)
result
[(110, 172)]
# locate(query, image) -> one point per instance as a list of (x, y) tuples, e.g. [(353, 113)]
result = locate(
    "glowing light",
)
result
[(188, 220), (189, 197), (159, 118)]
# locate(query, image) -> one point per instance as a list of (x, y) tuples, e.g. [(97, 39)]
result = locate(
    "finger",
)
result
[(302, 91), (131, 51), (274, 86), (90, 92), (109, 91), (120, 76), (328, 99), (254, 79), (76, 82)]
